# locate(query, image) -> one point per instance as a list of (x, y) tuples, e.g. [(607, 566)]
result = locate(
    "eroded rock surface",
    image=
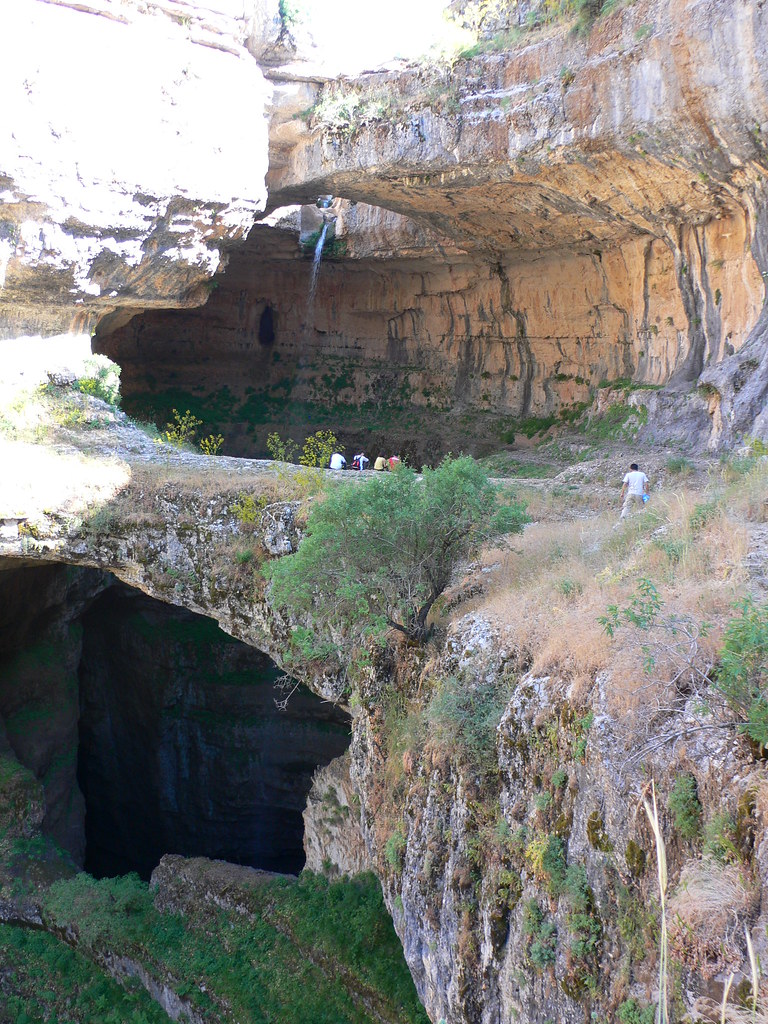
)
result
[(126, 163)]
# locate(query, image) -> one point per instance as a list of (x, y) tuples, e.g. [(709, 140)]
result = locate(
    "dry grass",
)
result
[(548, 591), (706, 916)]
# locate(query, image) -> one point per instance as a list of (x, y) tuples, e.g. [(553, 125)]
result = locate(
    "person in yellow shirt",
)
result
[(380, 464)]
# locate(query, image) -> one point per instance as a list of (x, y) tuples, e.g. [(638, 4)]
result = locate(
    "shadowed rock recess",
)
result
[(165, 725)]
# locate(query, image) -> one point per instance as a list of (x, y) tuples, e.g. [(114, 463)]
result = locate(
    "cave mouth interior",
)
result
[(152, 730)]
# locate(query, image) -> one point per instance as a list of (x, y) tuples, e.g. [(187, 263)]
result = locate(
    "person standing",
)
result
[(634, 490)]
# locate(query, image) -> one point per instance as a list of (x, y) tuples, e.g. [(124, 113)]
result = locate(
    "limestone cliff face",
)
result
[(126, 165), (513, 231)]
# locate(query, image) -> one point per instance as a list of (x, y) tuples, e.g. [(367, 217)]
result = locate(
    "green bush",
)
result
[(394, 848), (559, 778), (720, 838), (377, 555), (464, 717), (182, 430), (742, 676), (630, 1012), (542, 933), (703, 514), (684, 806), (102, 381), (680, 465), (256, 963)]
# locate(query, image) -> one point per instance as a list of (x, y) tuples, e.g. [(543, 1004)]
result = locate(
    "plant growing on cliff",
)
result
[(378, 555), (684, 805), (743, 674)]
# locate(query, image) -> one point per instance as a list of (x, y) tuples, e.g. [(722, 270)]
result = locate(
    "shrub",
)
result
[(553, 864), (248, 509), (103, 380), (542, 933), (684, 806), (281, 451), (183, 429), (319, 448), (720, 838), (679, 465), (559, 778), (703, 513), (631, 1012), (376, 556), (464, 718), (394, 848), (212, 444), (742, 676)]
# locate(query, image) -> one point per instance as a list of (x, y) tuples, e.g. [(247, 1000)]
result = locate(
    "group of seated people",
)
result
[(361, 461)]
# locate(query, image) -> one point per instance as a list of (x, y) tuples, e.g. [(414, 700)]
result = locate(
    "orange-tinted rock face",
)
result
[(525, 336), (518, 229)]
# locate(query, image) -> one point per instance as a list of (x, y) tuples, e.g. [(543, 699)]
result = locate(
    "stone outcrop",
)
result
[(126, 164), (333, 839)]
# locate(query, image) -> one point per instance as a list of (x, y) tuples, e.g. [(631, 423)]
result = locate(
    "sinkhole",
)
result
[(153, 731)]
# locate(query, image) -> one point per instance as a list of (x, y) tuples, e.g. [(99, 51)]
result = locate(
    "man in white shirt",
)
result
[(338, 461), (634, 490), (362, 460)]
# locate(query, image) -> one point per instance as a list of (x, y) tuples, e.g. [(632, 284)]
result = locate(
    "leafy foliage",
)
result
[(464, 717), (378, 555), (212, 444), (281, 451), (684, 806), (319, 448), (182, 430), (102, 381), (43, 979), (642, 610), (743, 674), (248, 509), (255, 961), (542, 933)]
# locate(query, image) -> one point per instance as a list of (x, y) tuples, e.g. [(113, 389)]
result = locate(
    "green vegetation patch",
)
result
[(304, 950), (502, 464), (44, 980), (684, 805)]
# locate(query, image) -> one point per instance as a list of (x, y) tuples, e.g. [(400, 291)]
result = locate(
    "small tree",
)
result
[(377, 555)]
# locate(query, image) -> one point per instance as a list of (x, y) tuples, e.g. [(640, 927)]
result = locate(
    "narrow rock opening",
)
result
[(267, 327)]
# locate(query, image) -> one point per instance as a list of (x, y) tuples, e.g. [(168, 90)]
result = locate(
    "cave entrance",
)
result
[(181, 747), (166, 726)]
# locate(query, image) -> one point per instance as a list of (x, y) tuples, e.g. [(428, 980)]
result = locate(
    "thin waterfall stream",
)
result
[(315, 271)]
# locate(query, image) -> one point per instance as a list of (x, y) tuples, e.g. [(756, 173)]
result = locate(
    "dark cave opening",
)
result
[(151, 730), (181, 747), (267, 326)]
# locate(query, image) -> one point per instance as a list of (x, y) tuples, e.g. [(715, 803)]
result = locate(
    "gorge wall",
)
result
[(512, 232)]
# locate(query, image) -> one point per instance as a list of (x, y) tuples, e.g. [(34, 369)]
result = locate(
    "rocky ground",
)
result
[(497, 777)]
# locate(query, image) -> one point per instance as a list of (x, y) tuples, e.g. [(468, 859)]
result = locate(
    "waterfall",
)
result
[(315, 270)]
